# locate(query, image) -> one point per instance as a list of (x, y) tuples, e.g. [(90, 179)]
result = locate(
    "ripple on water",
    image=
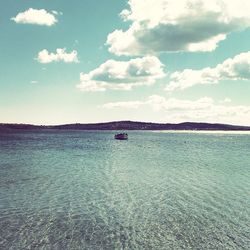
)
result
[(84, 190)]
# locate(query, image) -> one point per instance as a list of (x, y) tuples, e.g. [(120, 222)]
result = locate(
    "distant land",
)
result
[(129, 125)]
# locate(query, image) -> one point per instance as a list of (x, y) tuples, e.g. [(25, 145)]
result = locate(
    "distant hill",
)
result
[(129, 125)]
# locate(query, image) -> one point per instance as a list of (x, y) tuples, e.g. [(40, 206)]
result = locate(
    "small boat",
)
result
[(121, 136)]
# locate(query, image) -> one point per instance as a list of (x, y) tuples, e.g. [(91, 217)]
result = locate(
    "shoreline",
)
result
[(130, 125)]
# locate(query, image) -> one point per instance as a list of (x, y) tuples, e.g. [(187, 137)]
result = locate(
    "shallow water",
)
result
[(85, 190)]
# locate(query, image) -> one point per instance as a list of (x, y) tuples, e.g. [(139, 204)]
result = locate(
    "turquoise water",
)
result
[(85, 190)]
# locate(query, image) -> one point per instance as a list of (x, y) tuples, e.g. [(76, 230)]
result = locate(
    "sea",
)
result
[(68, 189)]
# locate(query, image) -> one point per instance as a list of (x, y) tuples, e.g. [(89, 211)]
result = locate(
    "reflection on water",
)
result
[(85, 190)]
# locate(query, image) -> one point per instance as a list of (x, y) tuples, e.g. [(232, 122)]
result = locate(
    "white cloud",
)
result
[(129, 105), (61, 55), (34, 16), (178, 25), (161, 103), (202, 110), (33, 81), (226, 100), (122, 75), (237, 68), (57, 13)]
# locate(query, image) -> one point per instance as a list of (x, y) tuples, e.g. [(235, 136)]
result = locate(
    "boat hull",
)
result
[(122, 136)]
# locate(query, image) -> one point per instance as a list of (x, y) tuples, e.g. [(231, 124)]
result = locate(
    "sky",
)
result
[(86, 61)]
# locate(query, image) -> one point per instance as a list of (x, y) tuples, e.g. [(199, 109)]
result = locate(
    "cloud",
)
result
[(129, 105), (204, 109), (34, 16), (237, 68), (122, 75), (179, 25), (61, 55), (34, 81), (158, 103), (226, 100)]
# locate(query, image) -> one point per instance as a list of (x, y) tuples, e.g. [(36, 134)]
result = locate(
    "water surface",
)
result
[(85, 190)]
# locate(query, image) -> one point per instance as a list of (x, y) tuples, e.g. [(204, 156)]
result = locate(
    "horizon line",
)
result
[(120, 121)]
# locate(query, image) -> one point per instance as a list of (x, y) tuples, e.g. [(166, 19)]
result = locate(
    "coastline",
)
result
[(131, 125)]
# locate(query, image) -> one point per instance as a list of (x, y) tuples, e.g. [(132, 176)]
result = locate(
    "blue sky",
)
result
[(94, 61)]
